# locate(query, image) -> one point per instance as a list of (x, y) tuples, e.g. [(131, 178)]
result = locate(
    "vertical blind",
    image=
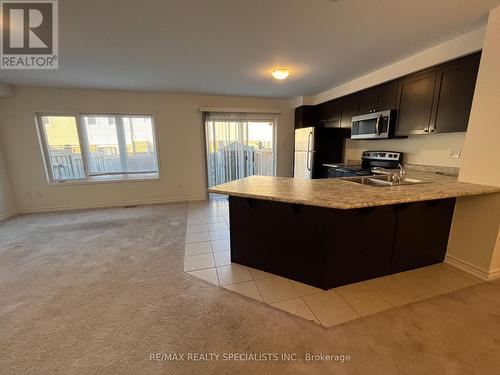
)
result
[(231, 154)]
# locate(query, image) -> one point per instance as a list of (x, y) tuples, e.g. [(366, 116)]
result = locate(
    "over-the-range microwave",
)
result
[(375, 125)]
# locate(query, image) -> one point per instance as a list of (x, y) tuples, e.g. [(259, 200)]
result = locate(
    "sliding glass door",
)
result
[(238, 145)]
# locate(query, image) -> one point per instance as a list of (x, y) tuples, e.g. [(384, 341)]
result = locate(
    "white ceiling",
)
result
[(229, 46)]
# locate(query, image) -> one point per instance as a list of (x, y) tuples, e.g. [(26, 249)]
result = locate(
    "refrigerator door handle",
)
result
[(309, 150)]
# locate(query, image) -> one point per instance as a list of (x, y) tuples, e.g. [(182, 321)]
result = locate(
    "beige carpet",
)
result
[(96, 292)]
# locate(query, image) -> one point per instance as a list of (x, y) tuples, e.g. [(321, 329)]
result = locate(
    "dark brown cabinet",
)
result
[(386, 96), (367, 100), (434, 100), (415, 102), (305, 116), (349, 107), (333, 114), (414, 248), (320, 114), (328, 114), (438, 100), (378, 98), (347, 245), (455, 89)]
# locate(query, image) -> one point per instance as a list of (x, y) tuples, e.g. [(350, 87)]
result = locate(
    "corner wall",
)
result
[(474, 242), (179, 131)]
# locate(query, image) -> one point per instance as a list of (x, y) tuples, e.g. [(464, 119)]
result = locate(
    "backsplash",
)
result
[(432, 149), (446, 171)]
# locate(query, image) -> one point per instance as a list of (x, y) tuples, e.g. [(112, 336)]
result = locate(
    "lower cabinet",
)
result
[(328, 247), (422, 233), (358, 249)]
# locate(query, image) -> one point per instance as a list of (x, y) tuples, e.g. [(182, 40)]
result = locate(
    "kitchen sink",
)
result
[(382, 180)]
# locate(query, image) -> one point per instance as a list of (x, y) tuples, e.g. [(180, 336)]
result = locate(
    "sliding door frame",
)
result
[(250, 117)]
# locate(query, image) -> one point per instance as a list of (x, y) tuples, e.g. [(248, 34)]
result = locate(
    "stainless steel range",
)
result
[(369, 160)]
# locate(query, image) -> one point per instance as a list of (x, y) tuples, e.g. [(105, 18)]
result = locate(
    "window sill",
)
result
[(145, 177)]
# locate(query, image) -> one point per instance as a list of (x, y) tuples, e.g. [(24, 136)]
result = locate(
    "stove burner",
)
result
[(369, 159)]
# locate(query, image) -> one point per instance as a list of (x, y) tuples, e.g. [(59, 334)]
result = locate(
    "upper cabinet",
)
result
[(438, 100), (386, 95), (367, 101), (378, 98), (305, 116), (350, 107), (415, 100), (333, 113), (328, 114), (454, 92), (434, 100)]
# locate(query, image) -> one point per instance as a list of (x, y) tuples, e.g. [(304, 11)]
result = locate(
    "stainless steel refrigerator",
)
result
[(315, 147)]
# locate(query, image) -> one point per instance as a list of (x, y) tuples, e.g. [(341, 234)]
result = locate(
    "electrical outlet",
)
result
[(455, 153)]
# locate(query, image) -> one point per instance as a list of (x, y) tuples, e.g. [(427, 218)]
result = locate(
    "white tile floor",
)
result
[(208, 257)]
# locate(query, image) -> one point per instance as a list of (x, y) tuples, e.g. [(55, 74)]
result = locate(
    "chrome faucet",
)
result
[(402, 173), (397, 177)]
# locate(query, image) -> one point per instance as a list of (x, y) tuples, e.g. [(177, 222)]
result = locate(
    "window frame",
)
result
[(84, 150)]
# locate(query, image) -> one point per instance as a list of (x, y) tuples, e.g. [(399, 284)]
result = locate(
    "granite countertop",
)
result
[(336, 193)]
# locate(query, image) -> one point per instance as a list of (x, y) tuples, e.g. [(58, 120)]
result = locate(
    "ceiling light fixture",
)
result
[(280, 73)]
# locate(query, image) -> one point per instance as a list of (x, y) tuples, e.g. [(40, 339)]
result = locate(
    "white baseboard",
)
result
[(471, 268), (90, 206), (7, 215)]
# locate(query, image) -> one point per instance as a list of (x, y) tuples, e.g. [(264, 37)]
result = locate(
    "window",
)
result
[(63, 147), (98, 147)]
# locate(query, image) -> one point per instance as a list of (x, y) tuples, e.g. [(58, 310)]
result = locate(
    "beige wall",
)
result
[(6, 90), (474, 239), (7, 201), (180, 138), (481, 162), (431, 149)]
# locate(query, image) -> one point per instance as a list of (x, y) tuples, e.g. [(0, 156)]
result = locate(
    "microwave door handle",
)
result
[(377, 125)]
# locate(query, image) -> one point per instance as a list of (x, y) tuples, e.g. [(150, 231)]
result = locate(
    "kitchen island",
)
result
[(331, 232)]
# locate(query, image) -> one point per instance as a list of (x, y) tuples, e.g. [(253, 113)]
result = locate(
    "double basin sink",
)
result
[(382, 180)]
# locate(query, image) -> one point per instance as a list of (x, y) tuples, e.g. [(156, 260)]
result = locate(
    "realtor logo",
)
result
[(29, 34)]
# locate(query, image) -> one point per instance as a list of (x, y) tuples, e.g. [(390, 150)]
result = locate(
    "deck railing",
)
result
[(67, 165), (229, 165)]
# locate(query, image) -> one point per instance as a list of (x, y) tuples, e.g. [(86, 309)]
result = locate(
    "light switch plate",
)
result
[(455, 153)]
